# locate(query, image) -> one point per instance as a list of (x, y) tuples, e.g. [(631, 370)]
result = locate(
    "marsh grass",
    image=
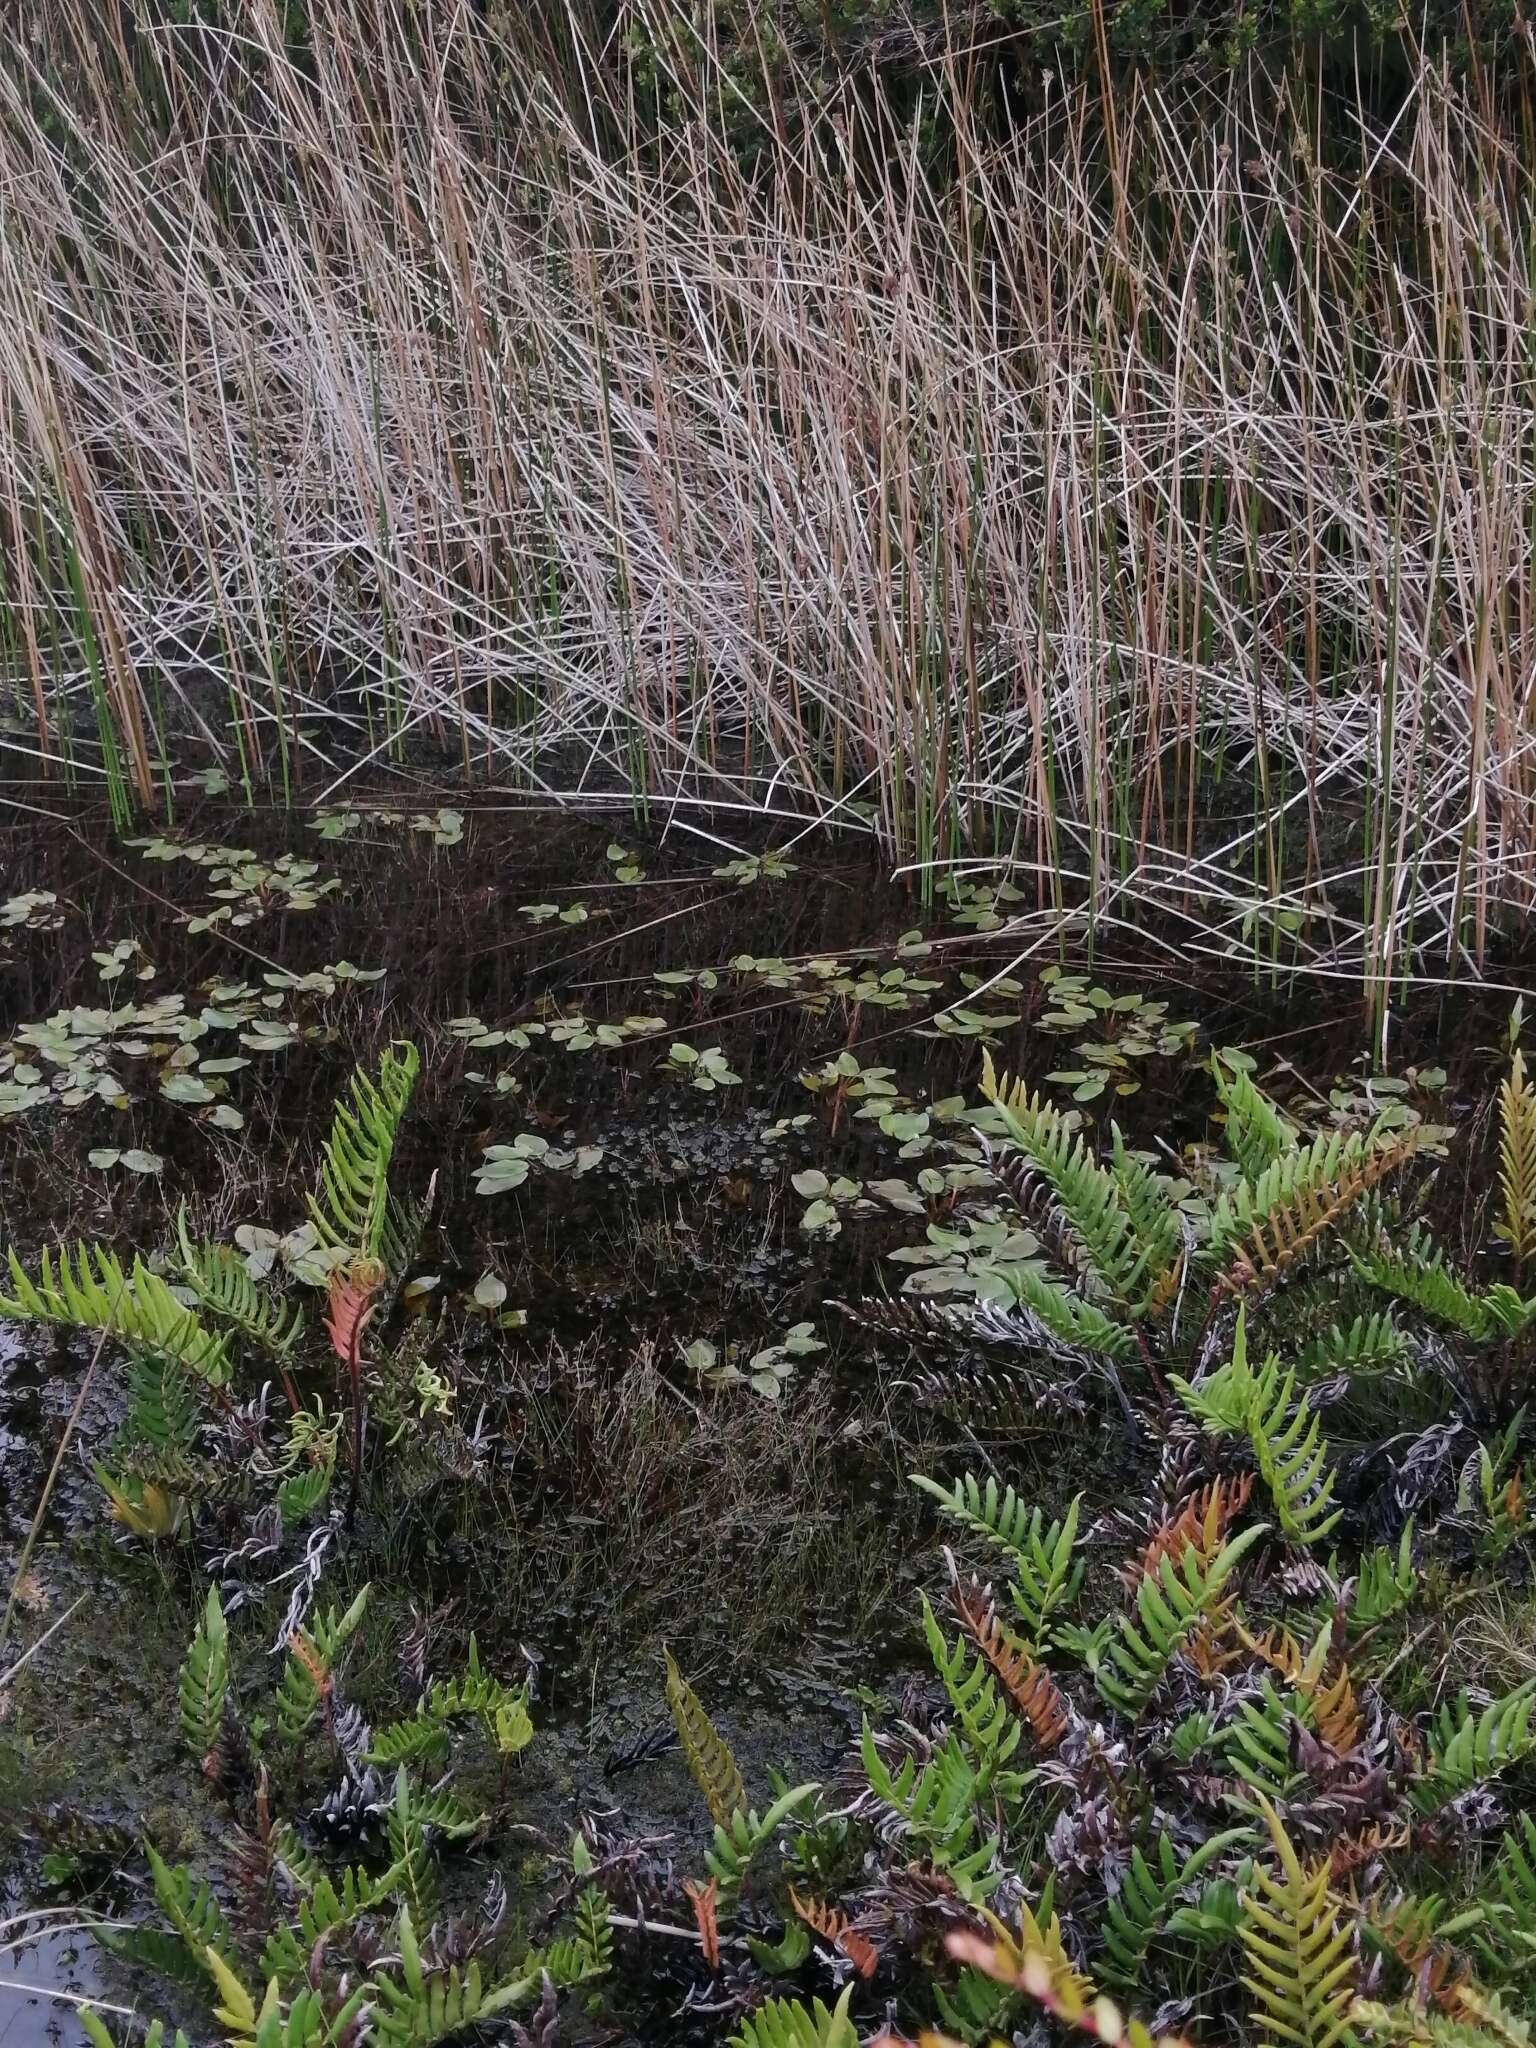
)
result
[(1148, 502)]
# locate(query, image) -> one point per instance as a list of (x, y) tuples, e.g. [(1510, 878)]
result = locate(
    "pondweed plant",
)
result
[(1137, 492)]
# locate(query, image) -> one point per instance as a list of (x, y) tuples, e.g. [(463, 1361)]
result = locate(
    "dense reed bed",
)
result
[(1137, 485)]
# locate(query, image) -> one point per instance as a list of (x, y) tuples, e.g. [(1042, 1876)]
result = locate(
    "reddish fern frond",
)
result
[(834, 1926), (1337, 1711), (1202, 1522), (1439, 1979), (1351, 1851), (1213, 1649), (353, 1297), (704, 1898), (1273, 1244), (1028, 1684)]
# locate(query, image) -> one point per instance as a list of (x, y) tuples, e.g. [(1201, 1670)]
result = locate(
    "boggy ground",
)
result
[(730, 1093)]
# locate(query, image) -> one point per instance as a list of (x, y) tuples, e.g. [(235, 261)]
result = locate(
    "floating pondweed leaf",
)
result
[(504, 1167), (786, 1125), (755, 867), (826, 1197), (961, 1022), (134, 1160), (688, 977), (705, 1070), (445, 826), (242, 885), (972, 1257), (115, 961), (625, 866), (490, 1291), (36, 911), (336, 824), (770, 971), (976, 904), (541, 913)]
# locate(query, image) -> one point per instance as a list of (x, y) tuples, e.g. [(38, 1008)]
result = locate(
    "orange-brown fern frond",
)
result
[(352, 1298), (705, 1898), (835, 1927), (1202, 1522), (1028, 1685)]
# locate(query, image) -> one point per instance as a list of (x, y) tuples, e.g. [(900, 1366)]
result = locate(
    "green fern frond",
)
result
[(1076, 1321), (1136, 1915), (937, 1804), (1222, 1401), (354, 1209), (1257, 1134), (990, 1729), (1170, 1604), (204, 1683), (706, 1751), (1366, 1342), (1261, 1230), (324, 1912), (1468, 1748), (311, 1661), (422, 2008), (738, 1841), (1300, 1960), (198, 1928), (1292, 1455), (594, 1928), (787, 2023), (162, 1409), (1417, 1273), (1046, 1574), (1517, 1161), (216, 1274), (87, 1289), (1385, 1582), (1087, 1196), (302, 1492), (155, 2037), (1257, 1741)]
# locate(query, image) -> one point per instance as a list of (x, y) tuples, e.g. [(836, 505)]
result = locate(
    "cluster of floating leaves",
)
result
[(767, 1371), (37, 910), (444, 827), (504, 1167), (186, 1051), (242, 886), (1125, 1030)]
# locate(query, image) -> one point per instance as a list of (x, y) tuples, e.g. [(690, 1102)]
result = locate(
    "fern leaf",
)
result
[(1047, 1576), (1385, 1582), (1292, 1455), (89, 1290), (1027, 1684), (1135, 1915), (1169, 1605), (353, 1209), (1262, 1230), (216, 1274), (1517, 1161), (715, 1770), (204, 1684), (744, 1836), (991, 1733), (1300, 1961), (1468, 1748), (787, 2023), (1257, 1134), (1418, 1274)]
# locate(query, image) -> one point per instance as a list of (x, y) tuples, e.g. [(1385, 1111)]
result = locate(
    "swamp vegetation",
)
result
[(767, 1127), (567, 1478)]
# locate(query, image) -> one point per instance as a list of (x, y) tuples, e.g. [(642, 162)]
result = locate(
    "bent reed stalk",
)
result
[(1155, 513)]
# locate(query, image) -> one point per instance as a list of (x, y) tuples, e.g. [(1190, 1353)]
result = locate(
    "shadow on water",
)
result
[(775, 1546)]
